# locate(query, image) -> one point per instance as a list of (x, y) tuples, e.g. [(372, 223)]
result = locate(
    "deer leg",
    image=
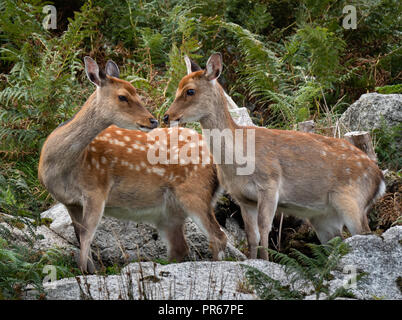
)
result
[(267, 204), (250, 219), (365, 223), (216, 235), (76, 217), (173, 234), (208, 224), (202, 214), (353, 216), (93, 211)]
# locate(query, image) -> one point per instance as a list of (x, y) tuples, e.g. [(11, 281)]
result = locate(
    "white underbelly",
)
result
[(303, 211), (150, 215)]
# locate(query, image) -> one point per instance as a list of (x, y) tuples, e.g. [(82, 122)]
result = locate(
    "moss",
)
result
[(114, 269), (17, 224), (397, 88), (163, 261), (43, 222), (229, 259), (46, 222)]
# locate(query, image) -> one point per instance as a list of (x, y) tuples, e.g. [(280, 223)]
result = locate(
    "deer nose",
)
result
[(166, 118), (154, 123)]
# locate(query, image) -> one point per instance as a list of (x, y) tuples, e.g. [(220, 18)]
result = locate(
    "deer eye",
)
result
[(190, 92), (123, 98)]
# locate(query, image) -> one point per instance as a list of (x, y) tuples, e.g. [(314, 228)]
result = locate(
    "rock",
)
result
[(367, 113), (188, 280), (393, 181), (121, 241), (52, 240), (380, 258), (239, 115), (45, 238), (235, 233)]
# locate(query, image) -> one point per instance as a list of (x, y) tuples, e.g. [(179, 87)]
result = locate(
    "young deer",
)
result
[(326, 180), (94, 167)]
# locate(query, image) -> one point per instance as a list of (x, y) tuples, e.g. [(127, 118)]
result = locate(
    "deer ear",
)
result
[(92, 70), (112, 69), (214, 67), (191, 65)]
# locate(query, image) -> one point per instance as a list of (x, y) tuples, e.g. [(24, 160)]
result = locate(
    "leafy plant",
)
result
[(21, 266), (387, 142), (302, 272), (268, 288)]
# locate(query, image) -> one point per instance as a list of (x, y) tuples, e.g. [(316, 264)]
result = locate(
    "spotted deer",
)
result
[(326, 180), (97, 163)]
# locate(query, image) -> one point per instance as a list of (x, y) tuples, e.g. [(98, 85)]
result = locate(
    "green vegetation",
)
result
[(390, 89), (286, 61), (386, 145), (302, 272), (21, 266)]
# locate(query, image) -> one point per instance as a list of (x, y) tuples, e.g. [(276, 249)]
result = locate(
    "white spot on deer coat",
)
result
[(158, 171)]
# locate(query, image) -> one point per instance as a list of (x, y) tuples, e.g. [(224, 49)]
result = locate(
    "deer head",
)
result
[(196, 91), (117, 99)]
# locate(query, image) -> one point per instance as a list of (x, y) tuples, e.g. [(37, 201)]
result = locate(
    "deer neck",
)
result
[(64, 148), (220, 117), (222, 140)]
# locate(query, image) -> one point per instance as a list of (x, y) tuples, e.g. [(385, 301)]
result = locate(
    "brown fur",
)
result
[(326, 180), (92, 167)]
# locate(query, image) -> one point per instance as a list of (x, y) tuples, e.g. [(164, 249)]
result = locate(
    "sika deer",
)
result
[(94, 167), (326, 180)]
